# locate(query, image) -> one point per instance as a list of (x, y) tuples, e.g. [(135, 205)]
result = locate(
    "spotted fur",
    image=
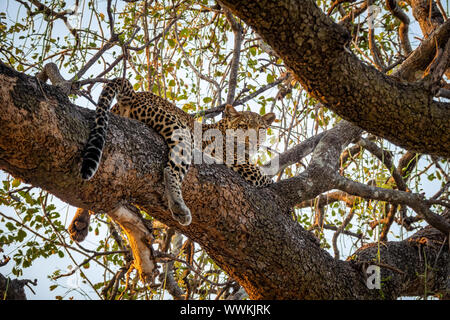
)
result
[(176, 127)]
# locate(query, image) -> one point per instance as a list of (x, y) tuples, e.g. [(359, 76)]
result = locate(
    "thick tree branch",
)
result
[(249, 232), (319, 177), (296, 153), (425, 252), (427, 14), (413, 67), (433, 74), (314, 48)]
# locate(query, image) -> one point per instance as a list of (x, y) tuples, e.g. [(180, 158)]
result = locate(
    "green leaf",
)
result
[(10, 226), (188, 107), (207, 99), (6, 185), (270, 78), (21, 235), (184, 33), (438, 175), (171, 43), (17, 272), (16, 182), (262, 111)]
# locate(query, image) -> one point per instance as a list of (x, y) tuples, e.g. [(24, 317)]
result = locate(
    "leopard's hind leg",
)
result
[(79, 227)]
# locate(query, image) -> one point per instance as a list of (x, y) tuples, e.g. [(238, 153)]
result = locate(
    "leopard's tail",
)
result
[(93, 150)]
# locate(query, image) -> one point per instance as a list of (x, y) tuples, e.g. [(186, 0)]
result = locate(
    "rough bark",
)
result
[(429, 18), (414, 66), (315, 49), (249, 232), (13, 289)]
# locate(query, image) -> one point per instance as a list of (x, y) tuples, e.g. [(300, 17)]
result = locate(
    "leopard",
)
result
[(177, 129)]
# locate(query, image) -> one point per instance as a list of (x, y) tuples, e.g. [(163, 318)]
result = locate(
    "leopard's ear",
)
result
[(230, 111), (269, 118)]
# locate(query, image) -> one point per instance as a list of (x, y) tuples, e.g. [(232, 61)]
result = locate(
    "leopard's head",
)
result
[(250, 124), (247, 119)]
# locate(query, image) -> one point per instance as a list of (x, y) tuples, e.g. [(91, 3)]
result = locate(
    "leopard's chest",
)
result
[(222, 143)]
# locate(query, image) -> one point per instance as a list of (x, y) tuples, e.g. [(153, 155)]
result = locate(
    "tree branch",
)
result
[(237, 31), (416, 202), (326, 68), (248, 232), (212, 112), (14, 289), (416, 63), (393, 7)]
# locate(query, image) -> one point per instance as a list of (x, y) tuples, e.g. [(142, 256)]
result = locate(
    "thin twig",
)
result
[(237, 31), (212, 112)]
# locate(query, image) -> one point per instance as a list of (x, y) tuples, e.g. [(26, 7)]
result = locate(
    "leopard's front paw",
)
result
[(79, 226), (180, 212)]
